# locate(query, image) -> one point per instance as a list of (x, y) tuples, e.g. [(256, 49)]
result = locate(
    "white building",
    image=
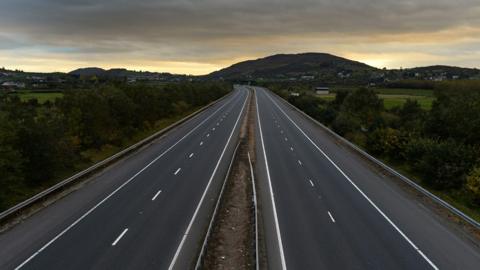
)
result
[(322, 90)]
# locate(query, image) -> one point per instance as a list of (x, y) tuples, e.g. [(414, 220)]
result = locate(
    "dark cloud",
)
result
[(201, 29)]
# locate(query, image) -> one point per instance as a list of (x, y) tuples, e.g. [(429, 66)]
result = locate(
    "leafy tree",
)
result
[(11, 162), (411, 117), (365, 105), (473, 185), (455, 113), (443, 164), (346, 123), (385, 141), (339, 99)]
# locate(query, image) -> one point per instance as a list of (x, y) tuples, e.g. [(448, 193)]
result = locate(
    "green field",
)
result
[(404, 91), (392, 91), (399, 97), (41, 97), (391, 101)]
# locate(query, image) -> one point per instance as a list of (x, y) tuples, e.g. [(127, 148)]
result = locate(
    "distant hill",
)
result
[(132, 75), (292, 66), (90, 71), (446, 71)]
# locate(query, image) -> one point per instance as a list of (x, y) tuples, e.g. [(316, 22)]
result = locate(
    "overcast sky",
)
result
[(199, 36)]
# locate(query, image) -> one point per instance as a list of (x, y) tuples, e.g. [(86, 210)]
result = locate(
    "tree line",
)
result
[(441, 145), (39, 143)]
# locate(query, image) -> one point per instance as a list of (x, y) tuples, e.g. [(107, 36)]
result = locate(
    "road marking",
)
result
[(291, 148), (281, 131), (299, 162), (331, 217), (156, 195), (218, 124), (255, 205), (277, 226), (359, 190), (201, 143), (118, 188), (286, 139), (177, 171), (191, 155), (120, 237), (311, 183), (208, 135), (187, 232), (213, 129)]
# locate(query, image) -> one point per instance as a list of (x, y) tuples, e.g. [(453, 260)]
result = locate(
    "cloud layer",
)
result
[(198, 36)]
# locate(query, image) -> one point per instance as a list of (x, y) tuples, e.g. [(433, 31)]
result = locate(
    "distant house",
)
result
[(322, 90), (307, 77), (13, 85)]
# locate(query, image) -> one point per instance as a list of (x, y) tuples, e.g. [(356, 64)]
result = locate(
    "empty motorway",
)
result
[(148, 211), (322, 206), (325, 208)]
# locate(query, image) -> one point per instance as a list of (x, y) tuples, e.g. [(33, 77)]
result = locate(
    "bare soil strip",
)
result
[(232, 241)]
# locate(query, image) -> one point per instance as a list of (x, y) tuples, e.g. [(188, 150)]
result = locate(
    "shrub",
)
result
[(473, 185), (443, 164), (346, 123), (385, 141)]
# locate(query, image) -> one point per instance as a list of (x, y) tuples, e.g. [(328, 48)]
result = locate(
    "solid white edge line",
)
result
[(277, 226), (311, 183), (117, 189), (119, 237), (177, 253), (156, 195), (177, 171), (191, 155), (257, 260), (201, 143), (358, 189), (331, 217)]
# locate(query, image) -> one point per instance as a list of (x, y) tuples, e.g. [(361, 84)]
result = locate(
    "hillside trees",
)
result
[(442, 146), (42, 142)]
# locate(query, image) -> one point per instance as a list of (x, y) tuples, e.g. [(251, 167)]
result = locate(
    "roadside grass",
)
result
[(41, 97)]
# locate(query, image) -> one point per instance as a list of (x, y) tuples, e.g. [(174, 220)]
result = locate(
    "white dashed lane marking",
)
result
[(156, 195), (331, 217), (120, 237)]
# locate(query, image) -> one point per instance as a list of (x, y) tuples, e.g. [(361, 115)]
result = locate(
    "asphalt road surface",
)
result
[(326, 208), (322, 206), (148, 211)]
